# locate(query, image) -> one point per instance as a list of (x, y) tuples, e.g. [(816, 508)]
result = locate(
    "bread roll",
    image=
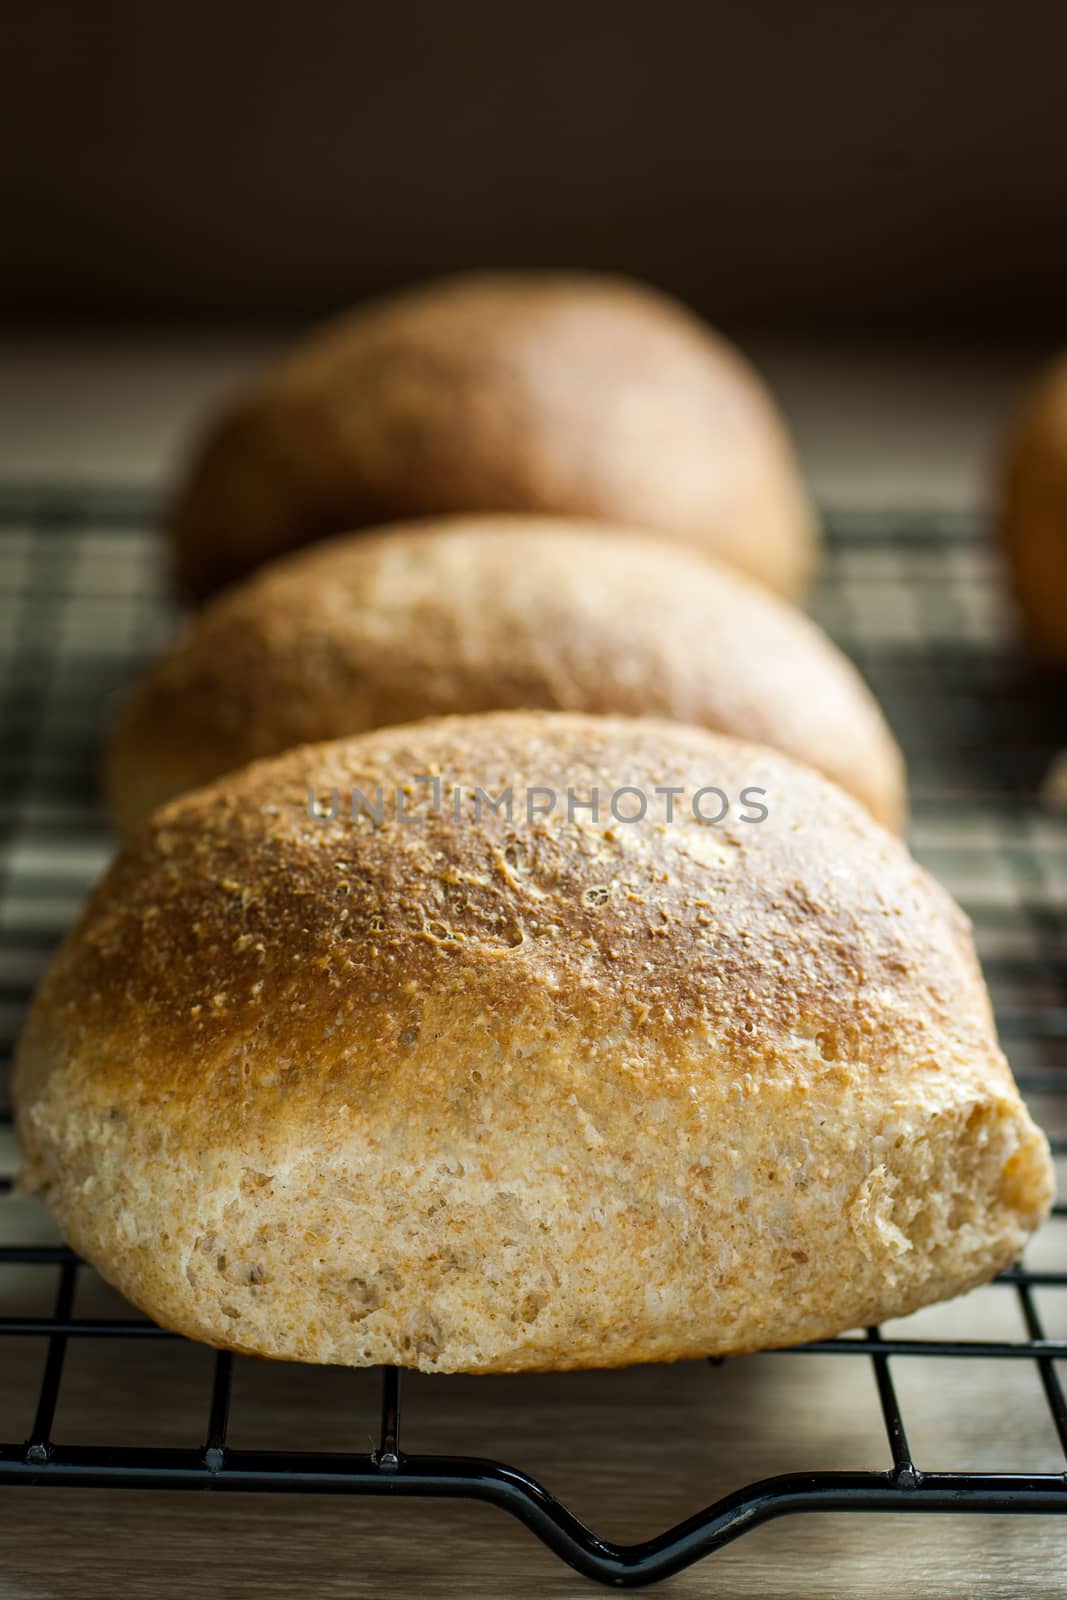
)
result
[(484, 613), (1034, 514), (479, 1093), (533, 392)]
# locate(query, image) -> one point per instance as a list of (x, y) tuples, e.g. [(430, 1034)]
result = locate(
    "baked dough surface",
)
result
[(564, 393), (483, 613), (486, 1095), (1033, 514)]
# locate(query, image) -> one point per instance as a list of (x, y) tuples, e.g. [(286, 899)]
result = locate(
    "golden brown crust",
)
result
[(490, 1094), (486, 613), (557, 393), (1034, 514)]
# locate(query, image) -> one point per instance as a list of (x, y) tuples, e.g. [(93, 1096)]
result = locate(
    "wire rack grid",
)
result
[(915, 599)]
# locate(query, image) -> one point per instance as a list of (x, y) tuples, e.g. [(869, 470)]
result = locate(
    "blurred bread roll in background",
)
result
[(491, 1093), (493, 612), (1033, 511), (562, 393)]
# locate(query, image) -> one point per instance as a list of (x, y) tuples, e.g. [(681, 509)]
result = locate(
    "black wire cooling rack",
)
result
[(914, 598)]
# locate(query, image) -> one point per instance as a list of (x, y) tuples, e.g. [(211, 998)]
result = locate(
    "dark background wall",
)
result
[(832, 165)]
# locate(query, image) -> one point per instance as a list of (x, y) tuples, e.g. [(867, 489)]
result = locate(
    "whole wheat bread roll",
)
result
[(478, 1093), (1034, 514), (557, 393), (486, 613)]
